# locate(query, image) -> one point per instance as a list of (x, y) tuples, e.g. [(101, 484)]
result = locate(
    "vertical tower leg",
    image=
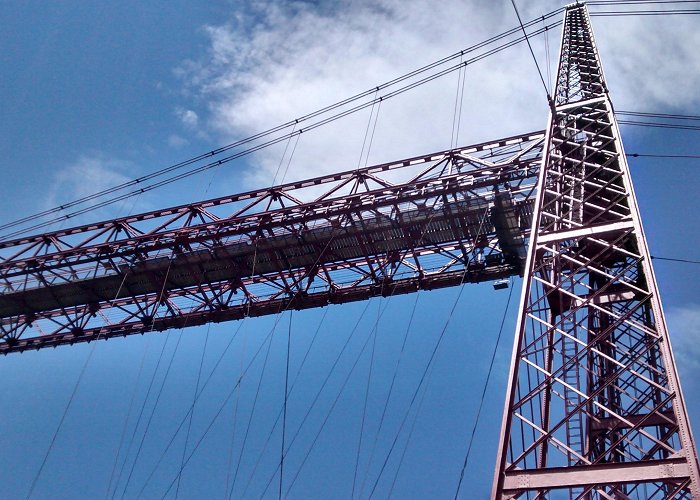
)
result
[(594, 408)]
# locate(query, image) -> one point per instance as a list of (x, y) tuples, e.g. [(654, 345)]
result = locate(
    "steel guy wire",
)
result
[(252, 411), (364, 406), (389, 394), (279, 413), (194, 396), (277, 319), (483, 392), (427, 367), (70, 401), (286, 394)]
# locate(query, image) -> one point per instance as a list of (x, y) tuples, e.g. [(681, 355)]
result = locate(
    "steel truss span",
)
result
[(594, 408), (427, 222)]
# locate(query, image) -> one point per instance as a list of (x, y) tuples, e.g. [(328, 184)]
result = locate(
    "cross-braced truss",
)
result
[(594, 408), (427, 222)]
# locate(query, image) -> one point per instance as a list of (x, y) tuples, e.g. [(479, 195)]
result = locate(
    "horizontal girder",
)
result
[(427, 222)]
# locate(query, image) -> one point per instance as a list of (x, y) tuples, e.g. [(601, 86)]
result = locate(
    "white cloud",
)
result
[(684, 328), (188, 117), (89, 174), (279, 60)]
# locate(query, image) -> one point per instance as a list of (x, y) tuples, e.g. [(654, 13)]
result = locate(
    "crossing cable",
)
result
[(680, 157), (278, 139), (548, 61), (330, 411), (483, 392), (187, 414), (658, 125), (319, 392), (216, 365), (213, 420), (153, 410), (427, 366), (638, 2), (669, 12), (658, 115), (685, 261), (72, 397), (286, 394), (459, 99), (284, 154), (389, 394), (279, 413), (420, 383), (532, 52), (234, 423), (410, 432), (126, 420), (252, 411), (364, 406), (374, 129), (367, 129), (194, 396), (138, 419), (196, 399)]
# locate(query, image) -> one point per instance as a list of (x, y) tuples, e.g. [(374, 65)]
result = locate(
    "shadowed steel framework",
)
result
[(593, 406)]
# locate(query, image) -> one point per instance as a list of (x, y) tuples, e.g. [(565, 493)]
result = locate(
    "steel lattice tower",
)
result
[(594, 408)]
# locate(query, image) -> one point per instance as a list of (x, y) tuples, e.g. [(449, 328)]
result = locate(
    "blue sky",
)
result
[(95, 93)]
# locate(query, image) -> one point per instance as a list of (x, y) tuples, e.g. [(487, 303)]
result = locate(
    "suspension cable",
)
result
[(532, 52), (483, 392), (262, 135), (390, 392), (427, 367), (69, 403), (194, 396), (286, 394)]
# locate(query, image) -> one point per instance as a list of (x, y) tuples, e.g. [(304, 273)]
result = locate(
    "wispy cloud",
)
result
[(188, 117), (176, 141), (278, 60), (89, 174)]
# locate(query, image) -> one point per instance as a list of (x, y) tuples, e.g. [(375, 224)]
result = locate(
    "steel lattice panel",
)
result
[(594, 408)]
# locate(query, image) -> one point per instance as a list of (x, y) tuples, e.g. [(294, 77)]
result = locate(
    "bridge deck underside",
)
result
[(459, 217)]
